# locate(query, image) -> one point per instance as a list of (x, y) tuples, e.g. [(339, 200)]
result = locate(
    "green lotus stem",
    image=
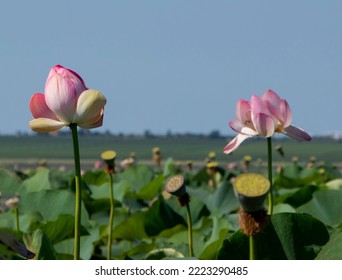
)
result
[(17, 219), (77, 236), (270, 194), (188, 213), (251, 247), (111, 218)]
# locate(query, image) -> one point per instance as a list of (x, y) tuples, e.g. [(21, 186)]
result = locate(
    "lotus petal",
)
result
[(39, 109), (297, 133), (235, 143), (264, 124), (89, 112), (62, 90), (46, 125)]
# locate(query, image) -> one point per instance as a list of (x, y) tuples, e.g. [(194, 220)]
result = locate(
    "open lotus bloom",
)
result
[(263, 116), (66, 100)]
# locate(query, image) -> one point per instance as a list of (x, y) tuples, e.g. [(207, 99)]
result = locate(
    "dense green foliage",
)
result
[(150, 224)]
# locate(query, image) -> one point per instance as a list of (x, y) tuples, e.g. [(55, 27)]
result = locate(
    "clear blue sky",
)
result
[(176, 65)]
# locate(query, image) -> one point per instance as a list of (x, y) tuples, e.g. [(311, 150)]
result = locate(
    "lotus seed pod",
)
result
[(109, 158), (175, 185), (251, 190)]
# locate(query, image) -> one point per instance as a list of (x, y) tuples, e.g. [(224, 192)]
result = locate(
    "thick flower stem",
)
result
[(270, 195), (191, 253), (111, 217), (77, 236), (251, 247)]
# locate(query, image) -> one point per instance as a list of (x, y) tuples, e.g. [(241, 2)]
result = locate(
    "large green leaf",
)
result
[(39, 181), (138, 176), (151, 189), (169, 165), (132, 228), (65, 247), (180, 241), (201, 177), (296, 178), (10, 183), (61, 179), (325, 206), (283, 208), (41, 245), (167, 233), (160, 216), (99, 205), (97, 199), (51, 203), (333, 249), (120, 190), (302, 196), (102, 191), (287, 236), (267, 246), (124, 250), (61, 229), (220, 201), (197, 208), (298, 233), (292, 170), (219, 232), (96, 177), (7, 220)]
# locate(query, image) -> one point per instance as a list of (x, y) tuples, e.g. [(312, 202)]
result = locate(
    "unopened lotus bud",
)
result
[(251, 190), (109, 159), (175, 185)]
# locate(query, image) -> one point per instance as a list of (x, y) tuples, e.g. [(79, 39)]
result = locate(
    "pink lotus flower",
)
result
[(66, 100), (263, 116)]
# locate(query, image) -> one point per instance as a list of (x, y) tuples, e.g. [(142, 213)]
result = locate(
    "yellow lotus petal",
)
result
[(45, 125), (92, 124), (89, 111)]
